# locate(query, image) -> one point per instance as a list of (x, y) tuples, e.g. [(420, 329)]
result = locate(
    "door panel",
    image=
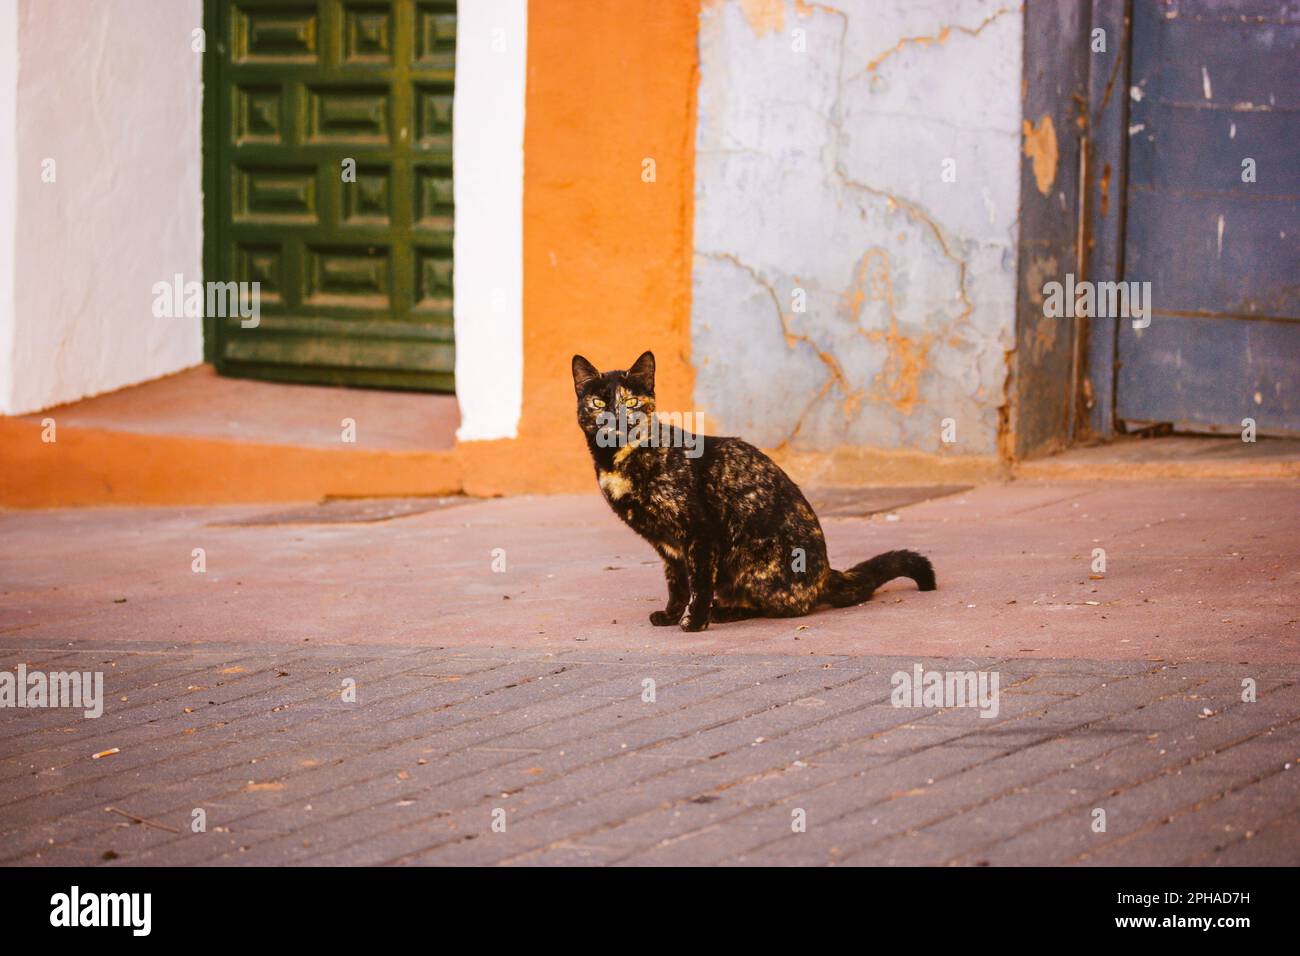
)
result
[(356, 276), (1217, 82), (1207, 374), (1248, 270)]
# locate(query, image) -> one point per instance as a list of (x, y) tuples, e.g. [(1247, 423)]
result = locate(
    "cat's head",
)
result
[(612, 405)]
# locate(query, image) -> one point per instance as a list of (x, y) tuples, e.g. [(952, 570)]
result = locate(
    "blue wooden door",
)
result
[(1213, 216)]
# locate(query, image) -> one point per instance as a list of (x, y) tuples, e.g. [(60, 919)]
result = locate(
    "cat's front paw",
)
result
[(695, 621), (664, 618)]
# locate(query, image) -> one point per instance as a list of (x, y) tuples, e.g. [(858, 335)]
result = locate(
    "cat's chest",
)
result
[(616, 487), (645, 504)]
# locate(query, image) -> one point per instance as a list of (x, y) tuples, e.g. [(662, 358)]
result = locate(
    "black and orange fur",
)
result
[(728, 523)]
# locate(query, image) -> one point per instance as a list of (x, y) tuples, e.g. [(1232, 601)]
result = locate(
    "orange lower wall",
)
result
[(91, 466)]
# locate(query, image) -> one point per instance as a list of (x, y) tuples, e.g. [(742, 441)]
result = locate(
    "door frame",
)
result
[(213, 29), (1105, 209), (1063, 385)]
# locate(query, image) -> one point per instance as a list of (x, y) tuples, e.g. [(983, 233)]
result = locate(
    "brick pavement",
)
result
[(565, 749)]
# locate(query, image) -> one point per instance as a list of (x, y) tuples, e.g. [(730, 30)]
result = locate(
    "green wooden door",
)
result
[(355, 276)]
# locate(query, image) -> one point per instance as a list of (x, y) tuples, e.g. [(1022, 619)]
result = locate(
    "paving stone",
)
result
[(1274, 844), (1207, 828), (587, 772)]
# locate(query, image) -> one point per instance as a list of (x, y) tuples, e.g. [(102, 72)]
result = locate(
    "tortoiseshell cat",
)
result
[(730, 525)]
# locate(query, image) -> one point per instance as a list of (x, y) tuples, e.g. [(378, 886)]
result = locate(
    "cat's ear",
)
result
[(643, 370), (583, 372)]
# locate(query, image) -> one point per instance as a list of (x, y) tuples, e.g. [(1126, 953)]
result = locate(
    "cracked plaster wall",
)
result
[(821, 171)]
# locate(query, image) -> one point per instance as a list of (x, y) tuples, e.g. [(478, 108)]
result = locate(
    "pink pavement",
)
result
[(1195, 570)]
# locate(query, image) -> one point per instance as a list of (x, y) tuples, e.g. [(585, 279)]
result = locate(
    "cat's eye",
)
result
[(632, 403), (599, 403)]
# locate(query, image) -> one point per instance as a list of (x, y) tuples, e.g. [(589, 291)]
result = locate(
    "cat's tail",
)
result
[(856, 585)]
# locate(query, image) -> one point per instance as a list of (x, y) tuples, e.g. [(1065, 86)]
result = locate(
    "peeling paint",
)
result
[(835, 376), (808, 189), (939, 38), (898, 382), (1039, 272), (915, 213), (764, 16), (805, 10), (1040, 146)]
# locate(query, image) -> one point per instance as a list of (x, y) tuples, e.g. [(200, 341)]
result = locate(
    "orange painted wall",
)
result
[(607, 257)]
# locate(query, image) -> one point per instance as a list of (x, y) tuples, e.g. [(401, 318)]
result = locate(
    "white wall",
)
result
[(488, 177), (110, 91), (823, 132), (8, 191)]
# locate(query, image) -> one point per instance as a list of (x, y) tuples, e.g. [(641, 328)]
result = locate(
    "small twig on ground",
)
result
[(148, 823)]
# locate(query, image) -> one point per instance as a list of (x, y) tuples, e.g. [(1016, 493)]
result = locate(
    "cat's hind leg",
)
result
[(780, 598), (725, 614)]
